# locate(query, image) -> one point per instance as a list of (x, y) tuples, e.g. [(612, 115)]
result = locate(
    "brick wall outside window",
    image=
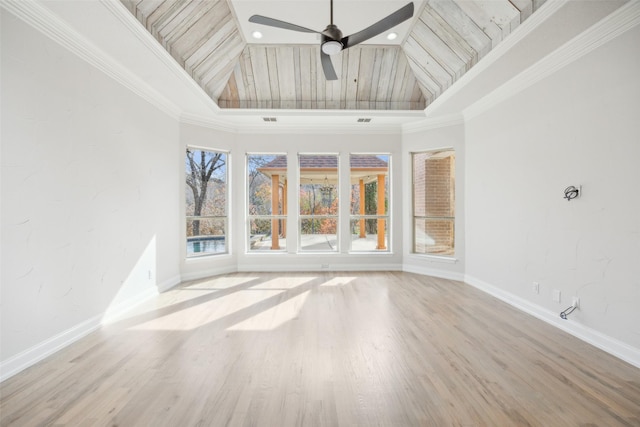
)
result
[(434, 203)]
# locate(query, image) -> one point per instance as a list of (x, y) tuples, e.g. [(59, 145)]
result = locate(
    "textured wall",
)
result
[(578, 126), (89, 191)]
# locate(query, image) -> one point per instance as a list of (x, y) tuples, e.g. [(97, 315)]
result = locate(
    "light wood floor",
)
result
[(335, 349)]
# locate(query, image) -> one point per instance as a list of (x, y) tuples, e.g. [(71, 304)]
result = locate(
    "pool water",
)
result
[(206, 246)]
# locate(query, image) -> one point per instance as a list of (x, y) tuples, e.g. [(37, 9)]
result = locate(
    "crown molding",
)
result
[(46, 22), (433, 123), (117, 9), (280, 128), (209, 122), (618, 22), (548, 9), (318, 129)]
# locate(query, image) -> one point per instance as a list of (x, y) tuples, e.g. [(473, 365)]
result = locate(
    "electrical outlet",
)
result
[(556, 295), (324, 266), (535, 287), (576, 302)]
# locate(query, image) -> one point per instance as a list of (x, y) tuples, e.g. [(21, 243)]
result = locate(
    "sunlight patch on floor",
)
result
[(219, 283), (283, 283), (209, 311), (339, 281), (273, 317)]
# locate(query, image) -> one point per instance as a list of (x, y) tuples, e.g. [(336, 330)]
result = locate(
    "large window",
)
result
[(434, 202), (206, 202), (267, 202), (369, 202), (318, 197)]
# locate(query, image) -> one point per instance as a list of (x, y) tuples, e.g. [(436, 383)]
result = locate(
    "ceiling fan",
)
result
[(332, 41)]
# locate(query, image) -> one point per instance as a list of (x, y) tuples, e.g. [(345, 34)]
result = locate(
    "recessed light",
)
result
[(392, 36), (257, 35)]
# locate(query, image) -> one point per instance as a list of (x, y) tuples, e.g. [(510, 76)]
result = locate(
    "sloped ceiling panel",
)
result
[(447, 39), (451, 36), (201, 35), (291, 77)]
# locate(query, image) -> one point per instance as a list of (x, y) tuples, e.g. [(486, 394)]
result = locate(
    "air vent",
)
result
[(270, 119), (363, 120)]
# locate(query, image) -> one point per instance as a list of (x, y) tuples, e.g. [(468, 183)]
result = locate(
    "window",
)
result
[(318, 198), (433, 202), (206, 202), (369, 202), (267, 202)]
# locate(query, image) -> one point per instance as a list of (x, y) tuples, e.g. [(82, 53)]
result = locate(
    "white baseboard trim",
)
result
[(604, 342), (169, 283), (312, 268), (46, 348), (203, 274), (38, 352), (435, 272)]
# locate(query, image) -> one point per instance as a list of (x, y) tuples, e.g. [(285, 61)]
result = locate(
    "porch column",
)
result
[(362, 231), (381, 212), (275, 202)]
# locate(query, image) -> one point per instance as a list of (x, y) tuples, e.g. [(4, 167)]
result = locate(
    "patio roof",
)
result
[(363, 166)]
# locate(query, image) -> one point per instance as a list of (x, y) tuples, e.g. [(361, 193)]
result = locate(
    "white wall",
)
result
[(452, 136), (202, 137), (89, 190), (292, 144), (580, 126)]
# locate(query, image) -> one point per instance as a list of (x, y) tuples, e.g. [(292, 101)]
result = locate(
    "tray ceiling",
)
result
[(444, 40)]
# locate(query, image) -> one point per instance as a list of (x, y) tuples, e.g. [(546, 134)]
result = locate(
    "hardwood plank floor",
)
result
[(334, 349)]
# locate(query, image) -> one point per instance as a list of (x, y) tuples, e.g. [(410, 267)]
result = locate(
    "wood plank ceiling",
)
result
[(447, 38)]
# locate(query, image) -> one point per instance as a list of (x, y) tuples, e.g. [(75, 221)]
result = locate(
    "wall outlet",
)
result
[(556, 295), (535, 287), (576, 302), (324, 266)]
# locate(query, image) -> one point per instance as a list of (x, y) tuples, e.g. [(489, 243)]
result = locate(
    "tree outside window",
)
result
[(267, 201), (206, 202)]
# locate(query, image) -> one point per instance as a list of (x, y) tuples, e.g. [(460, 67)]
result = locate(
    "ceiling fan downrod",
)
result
[(331, 37), (331, 12)]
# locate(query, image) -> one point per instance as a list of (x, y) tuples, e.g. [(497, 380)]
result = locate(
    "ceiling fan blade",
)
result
[(327, 66), (263, 20), (379, 27)]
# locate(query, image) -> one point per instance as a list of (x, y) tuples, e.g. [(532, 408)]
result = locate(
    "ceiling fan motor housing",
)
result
[(331, 40)]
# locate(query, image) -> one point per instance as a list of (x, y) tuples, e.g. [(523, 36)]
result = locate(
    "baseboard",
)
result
[(604, 342), (435, 272), (271, 268), (169, 283), (38, 352), (202, 274), (41, 351)]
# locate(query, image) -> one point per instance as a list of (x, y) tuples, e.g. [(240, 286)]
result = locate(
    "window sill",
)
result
[(436, 258), (207, 257)]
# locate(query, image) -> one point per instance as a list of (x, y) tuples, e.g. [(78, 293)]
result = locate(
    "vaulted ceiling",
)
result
[(211, 40)]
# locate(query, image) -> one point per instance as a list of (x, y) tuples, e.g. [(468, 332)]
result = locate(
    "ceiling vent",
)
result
[(363, 120), (270, 119)]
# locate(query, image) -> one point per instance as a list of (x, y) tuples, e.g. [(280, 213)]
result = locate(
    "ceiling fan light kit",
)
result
[(331, 47), (332, 41)]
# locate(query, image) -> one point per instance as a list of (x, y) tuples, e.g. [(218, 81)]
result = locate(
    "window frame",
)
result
[(226, 218), (386, 217), (415, 217), (302, 217), (249, 217)]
